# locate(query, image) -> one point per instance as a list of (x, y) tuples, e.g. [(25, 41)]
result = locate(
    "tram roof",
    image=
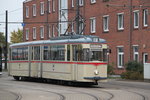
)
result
[(65, 40)]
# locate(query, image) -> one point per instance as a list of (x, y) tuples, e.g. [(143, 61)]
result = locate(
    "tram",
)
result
[(79, 58)]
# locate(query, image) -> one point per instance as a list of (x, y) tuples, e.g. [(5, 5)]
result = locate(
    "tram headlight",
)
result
[(96, 72)]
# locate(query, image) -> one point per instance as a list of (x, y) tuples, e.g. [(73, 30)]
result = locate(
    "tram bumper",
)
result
[(96, 78)]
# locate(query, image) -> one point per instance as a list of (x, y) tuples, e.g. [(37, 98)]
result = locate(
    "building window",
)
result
[(136, 53), (106, 23), (49, 31), (53, 31), (72, 3), (27, 34), (72, 28), (81, 2), (120, 21), (42, 31), (53, 5), (42, 8), (145, 58), (49, 6), (136, 19), (93, 1), (120, 57), (27, 12), (81, 28), (93, 24), (145, 17), (34, 32), (34, 9)]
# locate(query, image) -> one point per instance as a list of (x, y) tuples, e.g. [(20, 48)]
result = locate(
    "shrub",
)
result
[(134, 66), (110, 70), (136, 76), (134, 70)]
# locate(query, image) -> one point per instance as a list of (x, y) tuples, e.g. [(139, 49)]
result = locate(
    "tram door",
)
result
[(75, 59)]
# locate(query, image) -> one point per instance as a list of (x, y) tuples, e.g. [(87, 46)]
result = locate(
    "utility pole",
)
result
[(0, 60), (77, 17), (6, 39)]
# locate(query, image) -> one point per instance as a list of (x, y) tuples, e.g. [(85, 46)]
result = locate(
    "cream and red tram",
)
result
[(78, 58)]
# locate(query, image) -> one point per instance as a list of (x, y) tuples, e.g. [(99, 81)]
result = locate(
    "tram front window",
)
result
[(98, 55)]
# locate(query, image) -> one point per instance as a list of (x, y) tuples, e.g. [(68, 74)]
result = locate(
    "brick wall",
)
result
[(126, 38)]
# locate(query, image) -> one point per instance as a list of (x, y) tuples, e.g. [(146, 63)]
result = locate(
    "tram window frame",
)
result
[(20, 53), (55, 52), (77, 52), (36, 52), (68, 53)]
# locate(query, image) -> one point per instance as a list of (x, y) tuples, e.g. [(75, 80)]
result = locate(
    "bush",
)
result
[(110, 70), (134, 70), (126, 75), (134, 66), (136, 76)]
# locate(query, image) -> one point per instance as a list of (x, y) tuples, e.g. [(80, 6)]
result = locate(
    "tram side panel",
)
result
[(59, 71), (19, 69), (35, 70)]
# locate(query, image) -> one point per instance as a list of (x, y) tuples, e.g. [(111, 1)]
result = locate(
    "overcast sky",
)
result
[(15, 13)]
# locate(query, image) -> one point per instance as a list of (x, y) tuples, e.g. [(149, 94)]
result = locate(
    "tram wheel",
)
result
[(16, 78)]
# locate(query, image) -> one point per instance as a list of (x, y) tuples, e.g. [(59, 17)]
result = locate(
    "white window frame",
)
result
[(144, 59), (72, 3), (106, 29), (42, 8), (81, 28), (93, 1), (53, 5), (120, 24), (34, 9), (81, 2), (53, 30), (27, 33), (72, 27), (120, 65), (135, 53), (42, 31), (145, 15), (27, 11), (34, 32), (136, 21), (49, 31), (49, 6), (93, 24)]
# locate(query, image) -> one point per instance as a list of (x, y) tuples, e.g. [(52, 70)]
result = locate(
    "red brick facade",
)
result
[(127, 38)]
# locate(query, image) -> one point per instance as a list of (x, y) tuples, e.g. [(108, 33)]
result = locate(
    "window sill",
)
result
[(105, 31)]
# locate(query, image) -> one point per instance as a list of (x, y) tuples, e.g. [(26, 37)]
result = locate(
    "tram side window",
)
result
[(68, 52), (77, 52), (36, 53), (46, 53), (19, 53), (105, 54), (54, 52)]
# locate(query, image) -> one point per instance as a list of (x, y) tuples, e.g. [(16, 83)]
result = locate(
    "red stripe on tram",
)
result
[(80, 63)]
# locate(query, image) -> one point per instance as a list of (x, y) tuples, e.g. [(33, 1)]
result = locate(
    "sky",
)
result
[(15, 14)]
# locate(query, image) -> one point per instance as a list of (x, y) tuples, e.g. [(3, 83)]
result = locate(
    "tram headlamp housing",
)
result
[(96, 72)]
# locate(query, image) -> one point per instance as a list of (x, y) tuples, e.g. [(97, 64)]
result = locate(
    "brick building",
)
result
[(123, 23)]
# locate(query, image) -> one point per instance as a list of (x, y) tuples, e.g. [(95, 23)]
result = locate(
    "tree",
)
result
[(2, 39), (17, 36)]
